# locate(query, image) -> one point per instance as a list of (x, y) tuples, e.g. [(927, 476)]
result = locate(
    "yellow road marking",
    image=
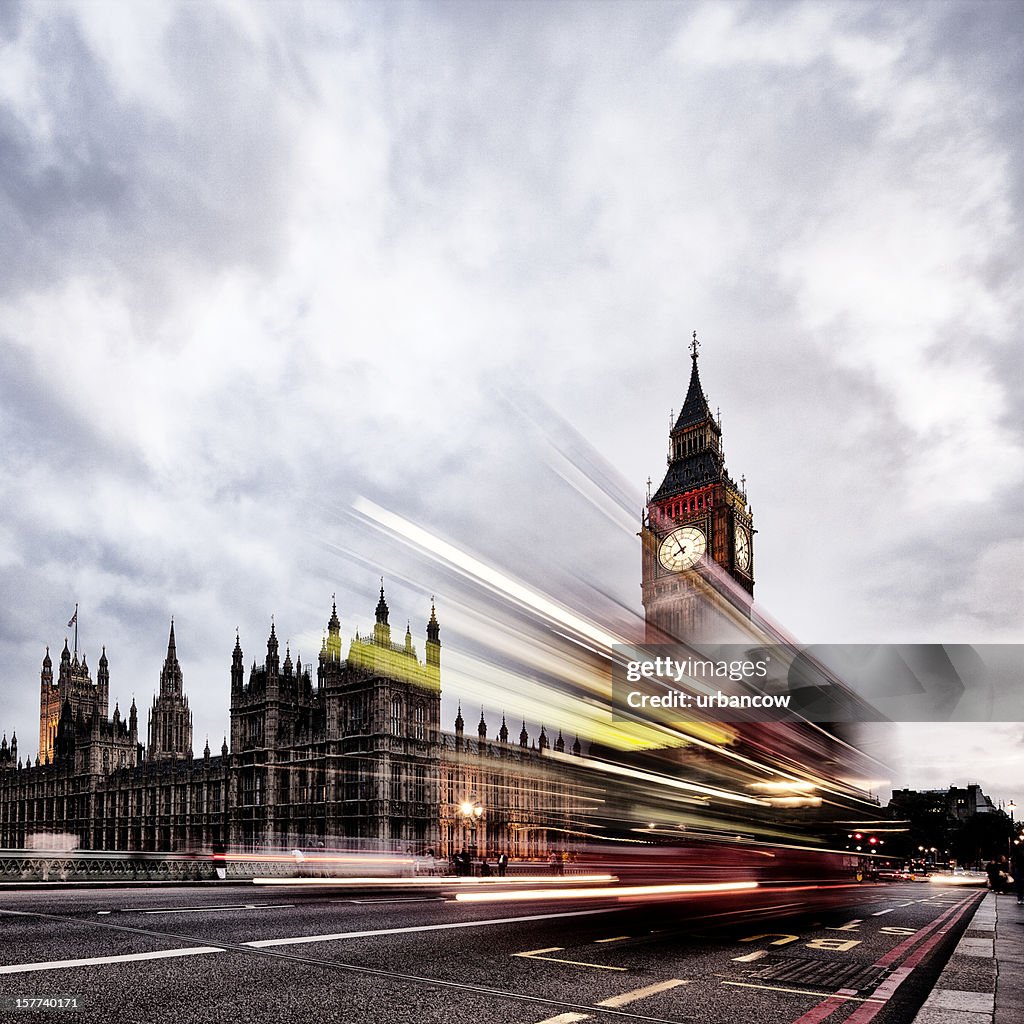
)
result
[(535, 954), (618, 938), (641, 993), (803, 992), (751, 956), (565, 1018)]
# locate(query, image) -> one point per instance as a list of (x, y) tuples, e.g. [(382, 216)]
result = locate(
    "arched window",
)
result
[(421, 731), (396, 716)]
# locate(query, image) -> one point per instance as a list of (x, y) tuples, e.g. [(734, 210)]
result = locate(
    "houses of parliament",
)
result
[(352, 748)]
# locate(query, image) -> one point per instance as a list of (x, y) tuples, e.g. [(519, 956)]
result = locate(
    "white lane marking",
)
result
[(407, 899), (159, 954), (565, 1018), (199, 910), (879, 913), (641, 993), (207, 910), (298, 939), (751, 956)]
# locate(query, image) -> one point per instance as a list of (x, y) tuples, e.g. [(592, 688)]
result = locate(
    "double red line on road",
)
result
[(929, 937)]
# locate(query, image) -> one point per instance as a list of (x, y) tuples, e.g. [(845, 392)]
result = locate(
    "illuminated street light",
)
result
[(472, 812)]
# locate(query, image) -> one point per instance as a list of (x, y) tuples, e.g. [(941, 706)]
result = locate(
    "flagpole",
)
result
[(76, 627)]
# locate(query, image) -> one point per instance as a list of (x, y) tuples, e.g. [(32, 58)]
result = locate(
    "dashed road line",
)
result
[(642, 993), (565, 1018), (93, 961), (617, 938), (357, 969), (208, 910), (879, 913)]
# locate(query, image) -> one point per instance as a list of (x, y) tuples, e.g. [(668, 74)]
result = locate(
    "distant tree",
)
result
[(981, 838), (928, 824)]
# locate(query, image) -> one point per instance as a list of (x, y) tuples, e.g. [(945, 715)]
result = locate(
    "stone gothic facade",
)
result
[(349, 751)]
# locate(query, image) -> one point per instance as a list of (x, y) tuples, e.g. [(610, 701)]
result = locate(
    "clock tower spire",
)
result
[(697, 528)]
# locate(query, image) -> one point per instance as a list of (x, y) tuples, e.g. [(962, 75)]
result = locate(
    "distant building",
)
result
[(956, 803), (357, 755)]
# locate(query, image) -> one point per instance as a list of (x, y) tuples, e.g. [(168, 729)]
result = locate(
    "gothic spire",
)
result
[(382, 606), (695, 406)]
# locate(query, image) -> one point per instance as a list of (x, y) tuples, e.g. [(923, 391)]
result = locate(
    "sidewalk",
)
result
[(983, 983)]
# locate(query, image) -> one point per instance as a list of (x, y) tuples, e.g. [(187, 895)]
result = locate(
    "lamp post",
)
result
[(472, 812), (1011, 807)]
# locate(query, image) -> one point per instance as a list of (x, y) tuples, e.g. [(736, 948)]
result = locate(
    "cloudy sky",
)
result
[(267, 270)]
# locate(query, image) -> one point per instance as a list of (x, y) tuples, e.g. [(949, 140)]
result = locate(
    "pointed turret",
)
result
[(460, 727), (503, 731), (695, 457), (481, 729), (433, 638), (542, 740), (170, 674), (560, 743), (524, 737), (237, 667), (102, 683), (170, 721), (381, 629), (577, 749), (273, 660), (332, 642)]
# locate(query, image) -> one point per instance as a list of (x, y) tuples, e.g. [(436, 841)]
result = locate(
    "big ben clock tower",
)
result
[(697, 534)]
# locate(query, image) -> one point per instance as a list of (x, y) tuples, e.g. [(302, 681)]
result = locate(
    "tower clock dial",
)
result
[(742, 549), (682, 548)]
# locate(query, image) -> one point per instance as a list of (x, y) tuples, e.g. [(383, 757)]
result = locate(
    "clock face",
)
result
[(682, 548), (742, 549)]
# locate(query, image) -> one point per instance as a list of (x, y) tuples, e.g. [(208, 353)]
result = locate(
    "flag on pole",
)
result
[(74, 618)]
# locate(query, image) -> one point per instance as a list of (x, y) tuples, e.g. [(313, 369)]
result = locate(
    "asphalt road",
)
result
[(248, 953)]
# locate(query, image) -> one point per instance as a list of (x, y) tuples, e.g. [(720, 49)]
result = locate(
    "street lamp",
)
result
[(472, 812)]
